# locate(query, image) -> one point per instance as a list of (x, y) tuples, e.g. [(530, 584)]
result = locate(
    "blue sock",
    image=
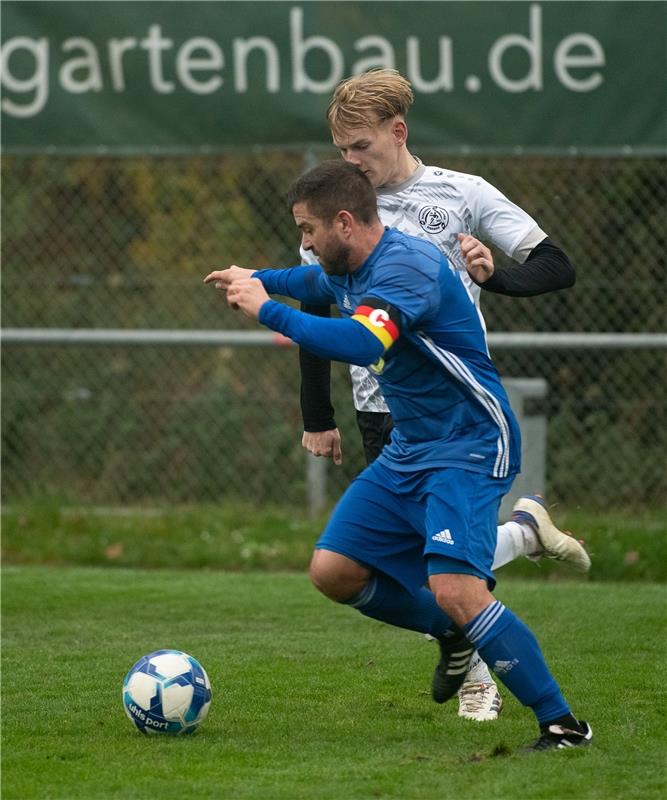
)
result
[(511, 650), (386, 600)]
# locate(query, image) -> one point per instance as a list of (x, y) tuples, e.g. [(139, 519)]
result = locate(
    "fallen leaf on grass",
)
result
[(114, 550)]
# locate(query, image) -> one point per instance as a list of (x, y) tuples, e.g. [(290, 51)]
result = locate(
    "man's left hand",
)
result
[(479, 261)]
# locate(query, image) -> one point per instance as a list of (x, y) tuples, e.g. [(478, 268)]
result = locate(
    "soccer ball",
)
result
[(167, 691)]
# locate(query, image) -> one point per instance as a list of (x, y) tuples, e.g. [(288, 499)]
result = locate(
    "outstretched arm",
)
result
[(302, 283), (345, 340), (321, 436)]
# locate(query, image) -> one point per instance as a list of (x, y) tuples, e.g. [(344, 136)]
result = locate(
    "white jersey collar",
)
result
[(399, 187)]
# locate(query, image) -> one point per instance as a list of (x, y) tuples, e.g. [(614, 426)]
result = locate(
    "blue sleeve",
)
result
[(339, 339), (306, 283)]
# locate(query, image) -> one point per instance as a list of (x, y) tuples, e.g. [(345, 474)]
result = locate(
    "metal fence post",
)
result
[(316, 468)]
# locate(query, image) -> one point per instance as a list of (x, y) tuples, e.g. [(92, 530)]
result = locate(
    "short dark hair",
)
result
[(334, 186)]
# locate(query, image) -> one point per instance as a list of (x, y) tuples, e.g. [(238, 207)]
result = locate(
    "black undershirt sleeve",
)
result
[(316, 407), (546, 269)]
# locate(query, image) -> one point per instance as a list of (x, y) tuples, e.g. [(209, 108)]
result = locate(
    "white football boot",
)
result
[(556, 544), (479, 698)]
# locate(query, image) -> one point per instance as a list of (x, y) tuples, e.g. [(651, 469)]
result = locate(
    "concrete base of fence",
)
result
[(532, 478)]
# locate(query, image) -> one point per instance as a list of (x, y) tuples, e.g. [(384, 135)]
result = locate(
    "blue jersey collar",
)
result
[(374, 254)]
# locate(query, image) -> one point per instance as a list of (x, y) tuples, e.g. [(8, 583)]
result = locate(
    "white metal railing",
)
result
[(122, 336), (519, 389)]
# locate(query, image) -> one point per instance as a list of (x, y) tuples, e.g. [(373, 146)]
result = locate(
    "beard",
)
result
[(335, 259)]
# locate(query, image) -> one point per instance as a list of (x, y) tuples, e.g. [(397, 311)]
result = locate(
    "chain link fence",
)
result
[(109, 242)]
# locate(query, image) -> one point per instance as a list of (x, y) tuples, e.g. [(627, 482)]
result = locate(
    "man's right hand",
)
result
[(223, 278), (324, 443), (478, 257)]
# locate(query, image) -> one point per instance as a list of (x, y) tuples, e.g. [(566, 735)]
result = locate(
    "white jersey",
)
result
[(437, 204)]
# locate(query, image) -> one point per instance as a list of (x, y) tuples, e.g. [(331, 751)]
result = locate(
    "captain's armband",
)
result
[(380, 318)]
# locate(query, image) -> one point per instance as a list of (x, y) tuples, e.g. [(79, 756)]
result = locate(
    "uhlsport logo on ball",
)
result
[(167, 691)]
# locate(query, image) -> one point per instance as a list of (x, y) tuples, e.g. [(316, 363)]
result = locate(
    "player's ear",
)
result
[(399, 130), (345, 220)]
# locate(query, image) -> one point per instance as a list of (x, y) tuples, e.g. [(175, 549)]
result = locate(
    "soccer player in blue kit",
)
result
[(425, 510), (367, 117)]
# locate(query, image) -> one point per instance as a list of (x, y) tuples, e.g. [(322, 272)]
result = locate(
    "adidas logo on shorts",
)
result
[(443, 536)]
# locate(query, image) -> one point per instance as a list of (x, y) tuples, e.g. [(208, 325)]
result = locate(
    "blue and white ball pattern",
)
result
[(167, 691)]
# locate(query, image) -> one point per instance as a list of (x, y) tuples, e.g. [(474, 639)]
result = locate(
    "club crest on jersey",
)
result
[(433, 219)]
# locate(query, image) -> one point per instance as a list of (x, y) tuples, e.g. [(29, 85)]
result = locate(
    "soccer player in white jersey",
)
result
[(457, 212)]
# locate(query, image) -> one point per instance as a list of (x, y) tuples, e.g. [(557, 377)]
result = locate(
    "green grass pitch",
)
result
[(310, 699)]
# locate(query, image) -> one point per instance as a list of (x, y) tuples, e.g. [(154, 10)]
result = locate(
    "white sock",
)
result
[(509, 545), (478, 672), (532, 547), (514, 540)]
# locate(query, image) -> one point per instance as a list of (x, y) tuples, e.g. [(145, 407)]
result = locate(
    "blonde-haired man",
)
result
[(457, 212)]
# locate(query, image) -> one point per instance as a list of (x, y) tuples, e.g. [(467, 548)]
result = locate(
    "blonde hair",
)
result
[(368, 99)]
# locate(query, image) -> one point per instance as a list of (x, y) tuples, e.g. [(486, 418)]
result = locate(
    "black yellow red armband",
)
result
[(380, 318)]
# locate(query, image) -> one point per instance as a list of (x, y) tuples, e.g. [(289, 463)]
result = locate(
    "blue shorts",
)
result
[(392, 521)]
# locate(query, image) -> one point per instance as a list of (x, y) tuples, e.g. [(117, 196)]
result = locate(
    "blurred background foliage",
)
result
[(123, 242)]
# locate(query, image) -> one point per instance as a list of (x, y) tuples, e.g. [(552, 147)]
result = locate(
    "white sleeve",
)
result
[(497, 220)]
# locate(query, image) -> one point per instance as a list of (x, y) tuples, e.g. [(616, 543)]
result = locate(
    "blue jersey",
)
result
[(444, 393)]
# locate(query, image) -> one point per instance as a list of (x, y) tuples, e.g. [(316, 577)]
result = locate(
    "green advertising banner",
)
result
[(488, 76)]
